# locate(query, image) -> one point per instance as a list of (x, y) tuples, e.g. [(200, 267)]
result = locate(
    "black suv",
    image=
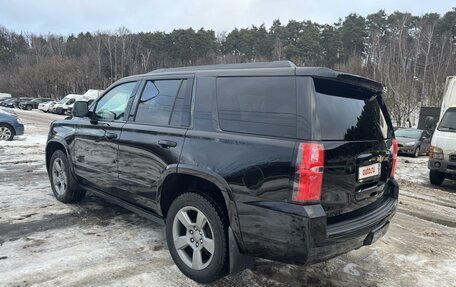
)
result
[(246, 160)]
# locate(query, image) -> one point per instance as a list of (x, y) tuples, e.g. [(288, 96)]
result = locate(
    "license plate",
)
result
[(368, 171)]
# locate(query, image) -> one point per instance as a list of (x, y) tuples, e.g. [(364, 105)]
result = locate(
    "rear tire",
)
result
[(436, 178), (196, 225), (64, 185)]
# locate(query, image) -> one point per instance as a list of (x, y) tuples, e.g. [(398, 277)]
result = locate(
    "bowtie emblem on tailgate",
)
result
[(379, 159)]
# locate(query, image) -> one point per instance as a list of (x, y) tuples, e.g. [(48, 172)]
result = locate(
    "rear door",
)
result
[(152, 139), (350, 121)]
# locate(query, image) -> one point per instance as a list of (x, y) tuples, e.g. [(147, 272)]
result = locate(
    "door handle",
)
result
[(167, 143), (110, 136)]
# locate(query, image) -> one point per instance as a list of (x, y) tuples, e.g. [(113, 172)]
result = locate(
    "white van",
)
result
[(93, 94), (62, 106), (89, 96), (442, 154)]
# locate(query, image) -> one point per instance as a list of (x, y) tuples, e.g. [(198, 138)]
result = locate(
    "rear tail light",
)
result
[(393, 150), (309, 173)]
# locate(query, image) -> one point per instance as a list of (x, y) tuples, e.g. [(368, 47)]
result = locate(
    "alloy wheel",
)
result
[(193, 238), (5, 133), (59, 177)]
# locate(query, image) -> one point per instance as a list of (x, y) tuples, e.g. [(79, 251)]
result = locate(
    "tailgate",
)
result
[(354, 126), (355, 174)]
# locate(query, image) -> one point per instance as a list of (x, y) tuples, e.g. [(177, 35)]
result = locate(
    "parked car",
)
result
[(46, 106), (413, 141), (10, 126), (239, 161), (4, 100), (8, 102), (15, 102), (32, 104)]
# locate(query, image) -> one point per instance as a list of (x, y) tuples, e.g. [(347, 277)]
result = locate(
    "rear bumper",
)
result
[(407, 149), (300, 234)]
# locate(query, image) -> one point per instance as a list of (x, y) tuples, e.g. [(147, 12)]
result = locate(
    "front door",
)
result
[(151, 141), (95, 146)]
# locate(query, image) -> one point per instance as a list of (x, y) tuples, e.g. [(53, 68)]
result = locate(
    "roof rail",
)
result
[(258, 65)]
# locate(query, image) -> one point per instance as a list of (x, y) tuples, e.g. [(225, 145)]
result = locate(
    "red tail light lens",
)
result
[(393, 151), (309, 173)]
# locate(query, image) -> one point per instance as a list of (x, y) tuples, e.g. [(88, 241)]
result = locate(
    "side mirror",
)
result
[(80, 109)]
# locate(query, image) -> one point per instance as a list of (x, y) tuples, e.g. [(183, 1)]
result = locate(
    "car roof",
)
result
[(275, 68)]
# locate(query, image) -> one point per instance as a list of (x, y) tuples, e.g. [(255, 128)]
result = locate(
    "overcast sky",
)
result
[(74, 16)]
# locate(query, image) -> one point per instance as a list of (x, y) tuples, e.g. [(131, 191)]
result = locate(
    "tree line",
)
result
[(411, 55)]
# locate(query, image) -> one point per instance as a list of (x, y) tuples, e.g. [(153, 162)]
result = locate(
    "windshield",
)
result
[(408, 133), (448, 122)]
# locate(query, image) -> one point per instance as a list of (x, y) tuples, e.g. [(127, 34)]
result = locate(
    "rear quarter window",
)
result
[(257, 105), (345, 112)]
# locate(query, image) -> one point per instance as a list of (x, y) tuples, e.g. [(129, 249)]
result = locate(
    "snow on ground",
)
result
[(46, 243), (411, 169)]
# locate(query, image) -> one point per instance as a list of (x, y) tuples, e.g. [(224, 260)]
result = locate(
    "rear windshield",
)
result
[(346, 112), (448, 122)]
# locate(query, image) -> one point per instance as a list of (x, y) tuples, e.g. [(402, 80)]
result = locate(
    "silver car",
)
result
[(413, 141)]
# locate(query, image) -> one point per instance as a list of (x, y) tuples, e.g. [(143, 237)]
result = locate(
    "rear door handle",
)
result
[(167, 143), (110, 136)]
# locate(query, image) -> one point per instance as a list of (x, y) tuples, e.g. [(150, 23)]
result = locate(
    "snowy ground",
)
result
[(46, 243)]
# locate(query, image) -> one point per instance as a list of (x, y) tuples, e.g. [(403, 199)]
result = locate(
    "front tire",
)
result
[(29, 108), (6, 133), (417, 152), (196, 233), (64, 185), (436, 178)]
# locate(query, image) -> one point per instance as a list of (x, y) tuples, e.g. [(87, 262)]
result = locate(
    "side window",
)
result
[(257, 105), (162, 103), (113, 104), (70, 102), (181, 110)]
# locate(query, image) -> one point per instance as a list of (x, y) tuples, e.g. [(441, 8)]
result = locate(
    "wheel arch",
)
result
[(52, 146), (10, 126), (215, 186)]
